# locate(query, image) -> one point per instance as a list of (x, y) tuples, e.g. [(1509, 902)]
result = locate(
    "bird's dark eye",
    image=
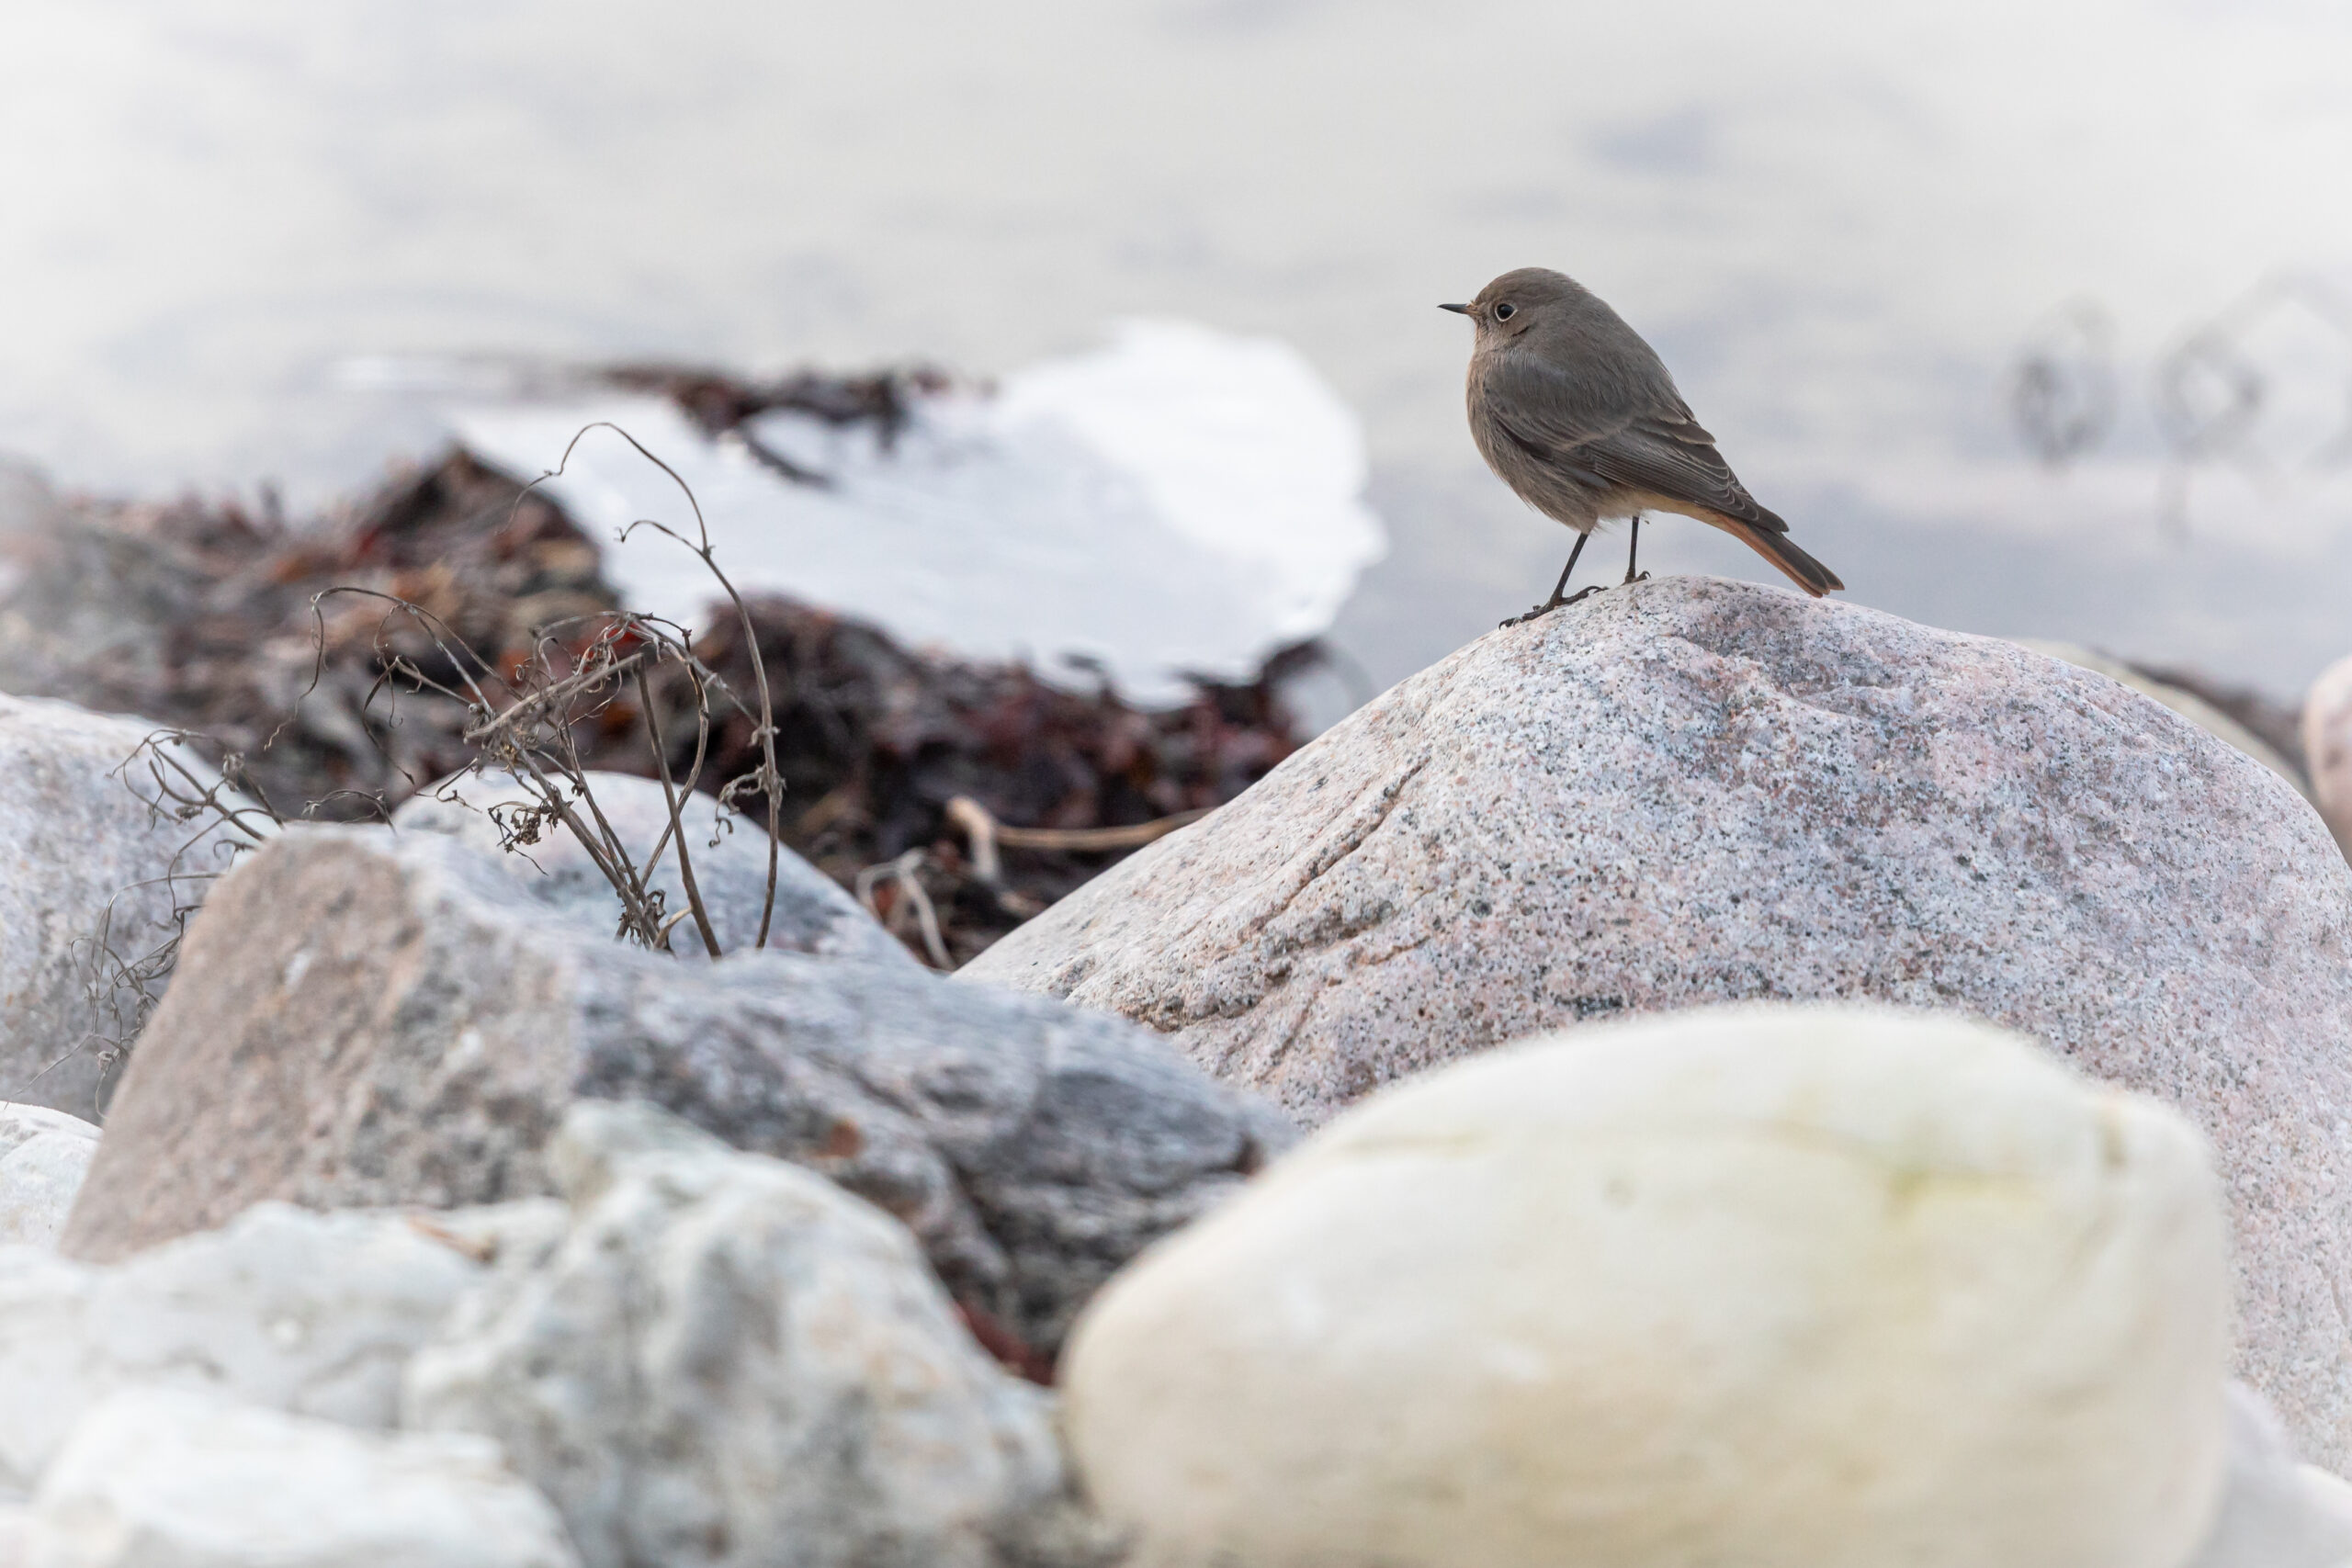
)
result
[(1506, 311)]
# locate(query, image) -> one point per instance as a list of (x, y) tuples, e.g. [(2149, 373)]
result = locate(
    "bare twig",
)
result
[(768, 778), (549, 698), (526, 726), (987, 833), (677, 823)]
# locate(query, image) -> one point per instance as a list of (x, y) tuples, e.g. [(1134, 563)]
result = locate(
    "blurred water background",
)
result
[(2031, 317)]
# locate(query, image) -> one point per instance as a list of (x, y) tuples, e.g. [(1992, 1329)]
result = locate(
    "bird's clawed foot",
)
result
[(1634, 577), (1546, 608)]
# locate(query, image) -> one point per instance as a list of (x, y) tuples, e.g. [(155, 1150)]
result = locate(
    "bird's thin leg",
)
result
[(1633, 550), (1562, 586), (1555, 601)]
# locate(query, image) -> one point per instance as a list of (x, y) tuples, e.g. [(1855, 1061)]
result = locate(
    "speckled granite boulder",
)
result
[(1697, 791)]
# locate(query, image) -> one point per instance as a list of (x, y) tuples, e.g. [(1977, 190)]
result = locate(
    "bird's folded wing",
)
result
[(1641, 442), (1645, 459)]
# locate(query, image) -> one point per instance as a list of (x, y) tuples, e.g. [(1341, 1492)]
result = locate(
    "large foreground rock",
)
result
[(1695, 791), (365, 1019), (163, 1478), (729, 1360), (90, 874), (1786, 1288)]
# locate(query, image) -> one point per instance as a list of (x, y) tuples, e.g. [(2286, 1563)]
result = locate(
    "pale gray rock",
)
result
[(1693, 790), (728, 1360), (166, 1478), (2276, 1512), (44, 1154), (2327, 747), (308, 1313), (91, 872), (729, 857), (369, 1019)]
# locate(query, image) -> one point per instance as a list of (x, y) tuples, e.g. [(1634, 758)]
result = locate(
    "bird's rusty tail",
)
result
[(1800, 568)]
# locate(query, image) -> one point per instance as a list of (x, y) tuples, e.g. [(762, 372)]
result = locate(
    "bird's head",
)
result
[(1517, 301)]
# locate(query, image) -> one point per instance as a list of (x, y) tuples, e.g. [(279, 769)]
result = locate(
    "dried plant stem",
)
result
[(637, 914), (693, 773), (986, 834), (677, 823), (769, 777), (552, 697)]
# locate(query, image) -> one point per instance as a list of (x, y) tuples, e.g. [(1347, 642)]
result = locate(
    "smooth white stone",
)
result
[(1787, 1287)]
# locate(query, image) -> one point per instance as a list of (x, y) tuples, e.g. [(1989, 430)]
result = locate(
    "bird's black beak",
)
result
[(1457, 310)]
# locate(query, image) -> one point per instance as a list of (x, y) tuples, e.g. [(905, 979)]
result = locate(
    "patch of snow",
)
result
[(1180, 502)]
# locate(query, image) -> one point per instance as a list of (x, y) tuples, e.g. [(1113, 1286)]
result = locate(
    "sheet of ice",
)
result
[(1180, 502)]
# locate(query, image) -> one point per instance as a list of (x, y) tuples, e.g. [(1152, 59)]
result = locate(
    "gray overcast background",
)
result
[(1838, 222)]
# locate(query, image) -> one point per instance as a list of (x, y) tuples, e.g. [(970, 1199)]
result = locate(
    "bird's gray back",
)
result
[(1580, 416)]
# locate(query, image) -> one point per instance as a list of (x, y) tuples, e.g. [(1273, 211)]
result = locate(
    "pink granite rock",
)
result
[(2327, 747), (1698, 791)]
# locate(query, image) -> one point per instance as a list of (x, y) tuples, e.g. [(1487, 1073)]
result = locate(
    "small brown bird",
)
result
[(1575, 412)]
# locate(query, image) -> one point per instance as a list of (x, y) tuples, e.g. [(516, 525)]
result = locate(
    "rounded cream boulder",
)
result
[(1810, 1287)]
